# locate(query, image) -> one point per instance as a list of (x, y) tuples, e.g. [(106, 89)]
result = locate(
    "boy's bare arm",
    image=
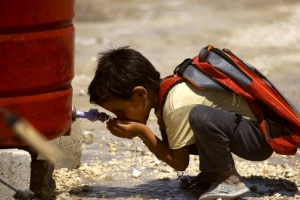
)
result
[(176, 158)]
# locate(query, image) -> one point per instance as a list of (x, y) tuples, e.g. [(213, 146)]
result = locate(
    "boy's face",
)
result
[(135, 109)]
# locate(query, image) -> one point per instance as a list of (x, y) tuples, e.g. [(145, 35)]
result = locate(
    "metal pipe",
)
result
[(92, 115), (20, 194)]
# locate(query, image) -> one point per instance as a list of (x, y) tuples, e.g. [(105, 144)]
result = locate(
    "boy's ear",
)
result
[(140, 92)]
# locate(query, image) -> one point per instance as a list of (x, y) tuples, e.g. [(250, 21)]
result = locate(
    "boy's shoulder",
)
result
[(184, 94)]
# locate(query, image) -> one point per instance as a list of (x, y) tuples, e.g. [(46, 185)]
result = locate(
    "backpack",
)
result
[(215, 69)]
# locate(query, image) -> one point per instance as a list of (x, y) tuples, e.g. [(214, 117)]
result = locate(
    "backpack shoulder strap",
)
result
[(166, 85)]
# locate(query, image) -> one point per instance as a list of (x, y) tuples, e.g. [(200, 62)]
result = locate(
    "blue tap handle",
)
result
[(92, 115)]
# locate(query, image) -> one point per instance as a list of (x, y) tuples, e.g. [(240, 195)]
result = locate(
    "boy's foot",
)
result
[(203, 180), (223, 191), (229, 185)]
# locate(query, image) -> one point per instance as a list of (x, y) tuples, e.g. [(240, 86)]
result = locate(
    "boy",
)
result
[(128, 85)]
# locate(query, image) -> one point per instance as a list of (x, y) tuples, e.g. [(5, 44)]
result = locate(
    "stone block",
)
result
[(70, 148), (15, 171)]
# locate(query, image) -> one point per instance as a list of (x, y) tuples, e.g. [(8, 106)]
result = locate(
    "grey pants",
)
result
[(219, 133)]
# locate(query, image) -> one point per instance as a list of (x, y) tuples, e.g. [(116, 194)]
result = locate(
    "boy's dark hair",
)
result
[(118, 72)]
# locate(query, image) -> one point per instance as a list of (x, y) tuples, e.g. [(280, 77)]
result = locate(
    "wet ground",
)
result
[(264, 33)]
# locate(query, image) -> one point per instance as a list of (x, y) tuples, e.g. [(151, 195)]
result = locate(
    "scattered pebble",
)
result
[(136, 173), (82, 92), (88, 137)]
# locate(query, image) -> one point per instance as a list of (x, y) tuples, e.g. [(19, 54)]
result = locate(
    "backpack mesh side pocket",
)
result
[(275, 125)]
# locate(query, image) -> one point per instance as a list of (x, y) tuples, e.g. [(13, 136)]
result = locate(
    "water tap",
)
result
[(92, 115)]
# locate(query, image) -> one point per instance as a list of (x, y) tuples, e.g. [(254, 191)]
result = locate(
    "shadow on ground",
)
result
[(169, 189)]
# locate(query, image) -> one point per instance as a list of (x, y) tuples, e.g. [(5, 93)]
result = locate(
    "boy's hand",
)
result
[(124, 128)]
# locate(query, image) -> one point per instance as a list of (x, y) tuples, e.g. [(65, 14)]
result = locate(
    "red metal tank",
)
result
[(36, 65)]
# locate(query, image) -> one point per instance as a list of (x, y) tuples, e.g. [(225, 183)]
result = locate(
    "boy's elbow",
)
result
[(180, 158), (181, 166)]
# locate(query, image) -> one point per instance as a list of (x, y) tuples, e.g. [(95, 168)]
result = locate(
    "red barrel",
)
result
[(36, 65)]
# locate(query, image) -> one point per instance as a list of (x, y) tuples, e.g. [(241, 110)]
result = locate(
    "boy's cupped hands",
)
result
[(125, 128)]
